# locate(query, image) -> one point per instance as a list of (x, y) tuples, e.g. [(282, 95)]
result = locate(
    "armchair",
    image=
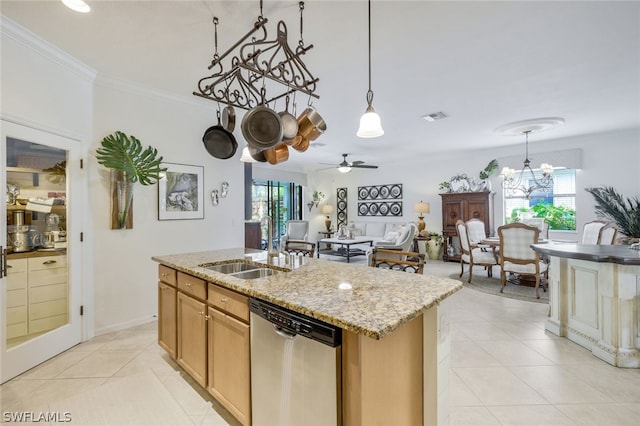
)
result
[(295, 230), (517, 256), (390, 259), (599, 232), (403, 243), (473, 254)]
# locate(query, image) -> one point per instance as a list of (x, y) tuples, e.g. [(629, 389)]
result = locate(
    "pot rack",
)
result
[(242, 82)]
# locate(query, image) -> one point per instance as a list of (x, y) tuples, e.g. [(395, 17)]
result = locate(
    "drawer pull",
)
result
[(207, 317), (164, 275), (188, 284), (50, 262), (224, 300)]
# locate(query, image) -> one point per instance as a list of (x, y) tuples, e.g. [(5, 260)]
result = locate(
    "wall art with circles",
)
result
[(380, 192), (379, 208), (341, 208)]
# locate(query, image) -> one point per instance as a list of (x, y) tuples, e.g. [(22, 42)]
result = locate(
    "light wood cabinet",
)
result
[(205, 327), (167, 310), (192, 337), (464, 206), (230, 364)]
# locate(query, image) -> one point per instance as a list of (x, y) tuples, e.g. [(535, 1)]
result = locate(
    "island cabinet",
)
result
[(229, 361), (167, 306), (205, 327), (463, 206), (192, 327)]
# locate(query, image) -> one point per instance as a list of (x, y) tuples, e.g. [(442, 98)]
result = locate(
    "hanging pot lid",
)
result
[(262, 127), (219, 142)]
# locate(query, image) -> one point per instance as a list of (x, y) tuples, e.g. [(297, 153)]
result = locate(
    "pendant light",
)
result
[(370, 125)]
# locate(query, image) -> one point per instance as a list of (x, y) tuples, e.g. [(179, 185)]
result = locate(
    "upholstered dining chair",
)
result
[(472, 253), (599, 232), (406, 261), (476, 231), (295, 230), (517, 256)]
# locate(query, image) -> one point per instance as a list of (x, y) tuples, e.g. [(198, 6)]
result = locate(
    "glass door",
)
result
[(40, 284)]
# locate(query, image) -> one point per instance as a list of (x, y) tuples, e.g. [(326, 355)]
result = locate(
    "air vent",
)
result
[(435, 116)]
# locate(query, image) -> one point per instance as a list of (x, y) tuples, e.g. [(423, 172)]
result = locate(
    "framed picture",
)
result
[(181, 192)]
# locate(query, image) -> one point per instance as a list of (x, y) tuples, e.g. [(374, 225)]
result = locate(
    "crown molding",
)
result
[(34, 42)]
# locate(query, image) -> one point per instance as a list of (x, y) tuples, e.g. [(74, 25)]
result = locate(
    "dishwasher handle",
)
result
[(283, 333)]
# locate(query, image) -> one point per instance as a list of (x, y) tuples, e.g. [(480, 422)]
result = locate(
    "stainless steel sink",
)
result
[(243, 270), (231, 267), (255, 273)]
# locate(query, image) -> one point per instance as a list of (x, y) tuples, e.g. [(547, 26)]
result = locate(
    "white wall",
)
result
[(608, 159), (125, 275)]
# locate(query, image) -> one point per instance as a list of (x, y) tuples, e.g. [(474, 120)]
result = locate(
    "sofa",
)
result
[(387, 234)]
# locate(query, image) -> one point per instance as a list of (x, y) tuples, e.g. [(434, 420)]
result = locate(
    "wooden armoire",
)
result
[(464, 206)]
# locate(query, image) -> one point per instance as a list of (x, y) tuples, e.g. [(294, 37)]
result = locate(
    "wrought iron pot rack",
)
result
[(242, 84)]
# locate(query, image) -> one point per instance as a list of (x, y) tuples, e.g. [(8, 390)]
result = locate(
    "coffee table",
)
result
[(345, 249)]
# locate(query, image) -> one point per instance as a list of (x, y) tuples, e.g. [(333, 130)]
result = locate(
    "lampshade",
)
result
[(246, 157), (77, 5), (327, 209), (422, 207), (345, 169), (370, 125)]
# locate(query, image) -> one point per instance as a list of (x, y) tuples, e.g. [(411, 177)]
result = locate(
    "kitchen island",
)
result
[(595, 299), (395, 328)]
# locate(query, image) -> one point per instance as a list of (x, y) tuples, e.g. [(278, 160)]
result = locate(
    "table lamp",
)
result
[(421, 208), (327, 209)]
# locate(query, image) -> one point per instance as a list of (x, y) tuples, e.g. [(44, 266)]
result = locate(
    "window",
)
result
[(557, 206), (282, 201)]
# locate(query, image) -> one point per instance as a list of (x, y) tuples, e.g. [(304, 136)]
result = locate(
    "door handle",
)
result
[(3, 262)]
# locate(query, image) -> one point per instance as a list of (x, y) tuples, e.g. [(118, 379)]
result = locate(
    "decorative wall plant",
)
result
[(129, 163)]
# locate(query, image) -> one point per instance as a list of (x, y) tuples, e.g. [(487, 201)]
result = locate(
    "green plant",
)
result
[(625, 212), (435, 236), (558, 217), (125, 154), (489, 170), (444, 186)]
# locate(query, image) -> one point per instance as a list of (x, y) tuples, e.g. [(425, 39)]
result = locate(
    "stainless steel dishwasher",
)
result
[(295, 368)]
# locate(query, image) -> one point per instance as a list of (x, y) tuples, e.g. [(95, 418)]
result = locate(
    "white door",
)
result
[(40, 282)]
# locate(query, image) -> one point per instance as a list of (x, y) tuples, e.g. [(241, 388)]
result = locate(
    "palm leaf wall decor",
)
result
[(125, 154)]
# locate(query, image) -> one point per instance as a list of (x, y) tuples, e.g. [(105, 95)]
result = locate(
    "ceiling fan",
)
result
[(346, 166)]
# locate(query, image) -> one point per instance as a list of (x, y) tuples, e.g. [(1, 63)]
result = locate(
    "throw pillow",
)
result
[(390, 237), (403, 236)]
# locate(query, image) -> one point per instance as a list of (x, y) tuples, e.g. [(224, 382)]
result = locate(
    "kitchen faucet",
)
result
[(270, 251)]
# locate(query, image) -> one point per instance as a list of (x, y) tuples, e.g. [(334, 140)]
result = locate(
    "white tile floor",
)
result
[(506, 370)]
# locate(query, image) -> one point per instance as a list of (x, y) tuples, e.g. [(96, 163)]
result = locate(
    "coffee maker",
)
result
[(19, 232)]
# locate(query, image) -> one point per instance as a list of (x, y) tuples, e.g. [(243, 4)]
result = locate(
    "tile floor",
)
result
[(506, 370)]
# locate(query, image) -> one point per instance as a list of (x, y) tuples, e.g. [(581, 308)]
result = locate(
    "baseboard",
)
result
[(125, 325)]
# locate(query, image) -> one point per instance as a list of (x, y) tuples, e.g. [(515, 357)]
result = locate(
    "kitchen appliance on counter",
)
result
[(295, 368), (19, 233)]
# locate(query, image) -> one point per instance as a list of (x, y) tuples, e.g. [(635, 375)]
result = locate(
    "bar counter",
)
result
[(595, 299)]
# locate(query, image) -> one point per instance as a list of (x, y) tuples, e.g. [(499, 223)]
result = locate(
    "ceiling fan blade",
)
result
[(363, 166), (355, 163)]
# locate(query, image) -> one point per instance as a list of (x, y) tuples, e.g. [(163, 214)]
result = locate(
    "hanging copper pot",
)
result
[(277, 154), (311, 124)]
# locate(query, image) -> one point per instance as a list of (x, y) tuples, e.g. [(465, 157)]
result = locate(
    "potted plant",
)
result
[(434, 246), (318, 197), (487, 172), (129, 163), (624, 212)]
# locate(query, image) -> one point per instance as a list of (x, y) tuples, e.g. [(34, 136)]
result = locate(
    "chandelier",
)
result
[(526, 181)]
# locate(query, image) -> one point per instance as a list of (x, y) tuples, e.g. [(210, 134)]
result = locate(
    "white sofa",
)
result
[(379, 232)]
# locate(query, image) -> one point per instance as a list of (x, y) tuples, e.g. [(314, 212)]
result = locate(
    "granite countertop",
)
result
[(377, 302), (621, 254)]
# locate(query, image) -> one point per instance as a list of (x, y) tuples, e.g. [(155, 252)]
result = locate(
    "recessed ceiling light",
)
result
[(435, 116), (77, 5)]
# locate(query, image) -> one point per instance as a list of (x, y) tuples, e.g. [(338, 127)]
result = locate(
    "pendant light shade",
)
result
[(370, 124), (77, 5), (246, 156)]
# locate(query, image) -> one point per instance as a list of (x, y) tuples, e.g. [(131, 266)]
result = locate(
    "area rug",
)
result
[(480, 282)]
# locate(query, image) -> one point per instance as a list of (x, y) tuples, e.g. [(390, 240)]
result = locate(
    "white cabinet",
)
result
[(17, 298), (37, 295)]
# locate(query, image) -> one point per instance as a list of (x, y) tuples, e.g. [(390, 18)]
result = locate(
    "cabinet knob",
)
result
[(223, 299), (164, 275), (200, 313), (207, 317), (188, 284)]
